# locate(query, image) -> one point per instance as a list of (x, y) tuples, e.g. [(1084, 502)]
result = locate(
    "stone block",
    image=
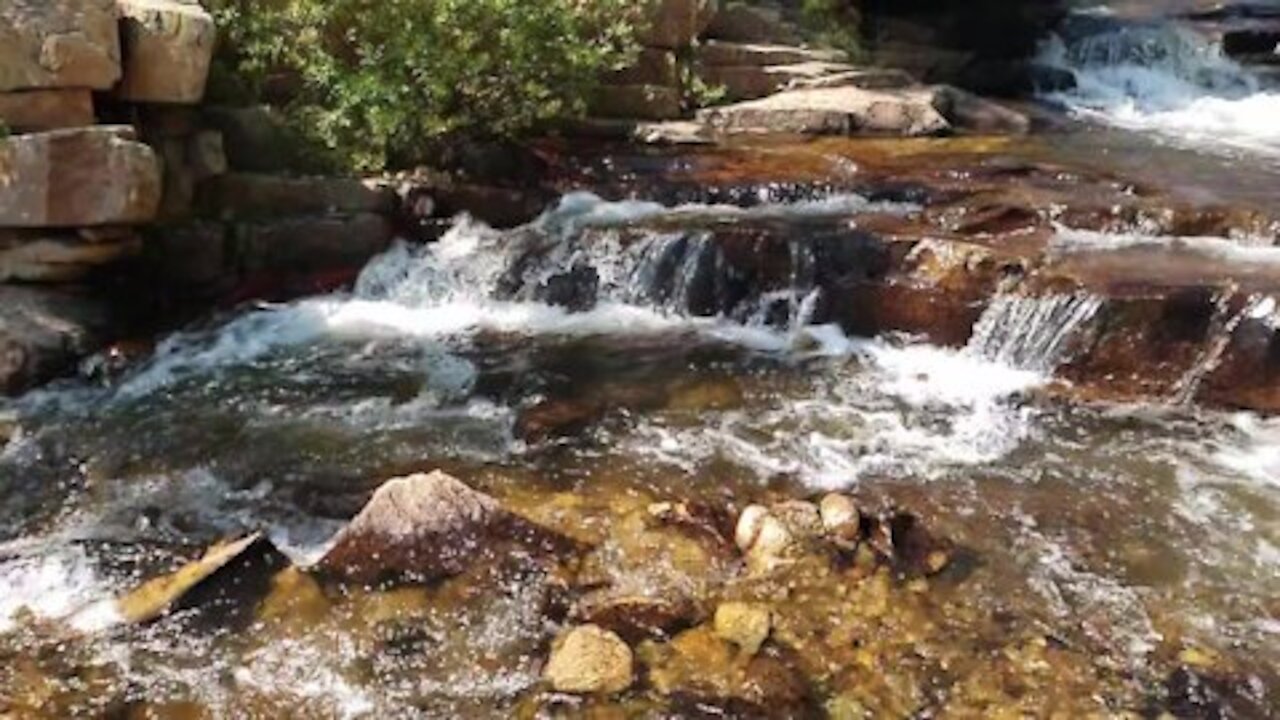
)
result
[(167, 48), (58, 44), (72, 178), (40, 110)]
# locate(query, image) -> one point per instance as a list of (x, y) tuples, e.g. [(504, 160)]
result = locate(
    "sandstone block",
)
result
[(239, 195), (58, 44), (167, 47), (60, 258), (73, 178), (834, 111), (40, 110)]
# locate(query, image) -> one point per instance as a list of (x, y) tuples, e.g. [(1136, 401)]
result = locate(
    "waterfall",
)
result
[(1162, 77), (1031, 333), (1222, 330)]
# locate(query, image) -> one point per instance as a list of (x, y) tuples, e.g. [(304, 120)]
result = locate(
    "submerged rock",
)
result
[(746, 625), (223, 585), (637, 616), (428, 526), (590, 660)]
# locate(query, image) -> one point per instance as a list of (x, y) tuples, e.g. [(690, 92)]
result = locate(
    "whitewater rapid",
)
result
[(1163, 79)]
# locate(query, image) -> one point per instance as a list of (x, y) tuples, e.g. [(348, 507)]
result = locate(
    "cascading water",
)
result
[(1163, 77), (1032, 332)]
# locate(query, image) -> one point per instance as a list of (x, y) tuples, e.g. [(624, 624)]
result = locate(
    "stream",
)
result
[(1117, 559)]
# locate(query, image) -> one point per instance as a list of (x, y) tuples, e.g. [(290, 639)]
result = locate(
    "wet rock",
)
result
[(167, 48), (58, 44), (221, 587), (41, 110), (250, 195), (699, 671), (746, 625), (967, 111), (902, 540), (496, 206), (8, 427), (575, 290), (305, 244), (590, 660), (767, 541), (1189, 693), (634, 617), (833, 111), (70, 178), (557, 418), (45, 332), (841, 520), (429, 526)]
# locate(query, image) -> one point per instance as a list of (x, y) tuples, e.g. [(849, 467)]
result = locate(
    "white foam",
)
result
[(58, 584), (914, 410), (1182, 89)]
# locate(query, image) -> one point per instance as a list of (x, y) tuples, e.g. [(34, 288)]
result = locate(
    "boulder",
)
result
[(70, 178), (249, 195), (428, 526), (640, 102), (60, 258), (40, 110), (635, 617), (749, 82), (589, 660), (967, 111), (44, 332), (833, 111), (841, 520), (721, 52), (674, 24), (227, 582), (742, 23), (311, 243), (167, 48), (58, 44)]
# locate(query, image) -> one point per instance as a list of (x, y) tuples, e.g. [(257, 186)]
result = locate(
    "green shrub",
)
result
[(381, 82)]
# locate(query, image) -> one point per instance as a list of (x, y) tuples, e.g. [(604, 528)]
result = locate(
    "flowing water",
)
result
[(1126, 535), (1161, 76)]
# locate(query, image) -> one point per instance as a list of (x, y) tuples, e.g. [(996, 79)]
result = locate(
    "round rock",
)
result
[(590, 660)]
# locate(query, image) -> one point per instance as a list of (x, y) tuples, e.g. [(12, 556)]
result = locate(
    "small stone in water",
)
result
[(590, 660), (841, 519), (746, 625)]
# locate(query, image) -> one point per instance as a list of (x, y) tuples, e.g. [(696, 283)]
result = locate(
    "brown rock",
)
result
[(969, 112), (58, 44), (40, 110), (749, 82), (311, 244), (722, 53), (742, 23), (248, 195), (634, 617), (589, 660), (674, 24), (833, 111), (68, 178), (44, 332), (60, 258), (641, 102), (227, 582), (428, 526), (167, 48)]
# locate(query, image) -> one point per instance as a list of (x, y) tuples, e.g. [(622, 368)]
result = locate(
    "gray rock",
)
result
[(45, 332), (833, 111)]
